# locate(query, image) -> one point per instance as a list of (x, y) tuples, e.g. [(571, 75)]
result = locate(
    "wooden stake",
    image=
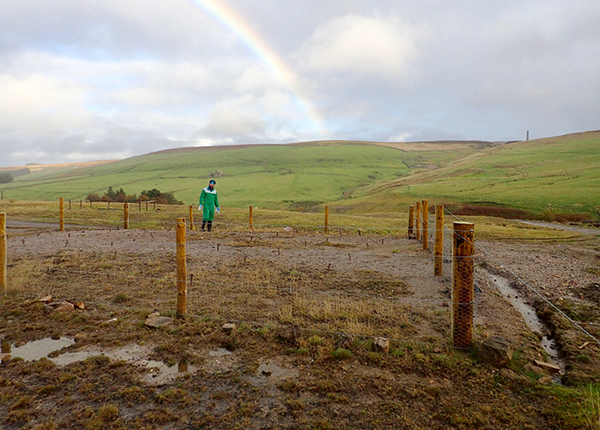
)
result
[(181, 269), (69, 204), (192, 218), (326, 219), (80, 204), (250, 218), (425, 207), (418, 221), (439, 241), (3, 255), (411, 222), (462, 285), (61, 214), (125, 216)]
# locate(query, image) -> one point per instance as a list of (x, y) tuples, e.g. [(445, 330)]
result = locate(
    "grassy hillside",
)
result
[(295, 176), (552, 175)]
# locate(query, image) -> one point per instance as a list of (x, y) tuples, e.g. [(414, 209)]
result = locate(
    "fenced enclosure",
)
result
[(356, 277)]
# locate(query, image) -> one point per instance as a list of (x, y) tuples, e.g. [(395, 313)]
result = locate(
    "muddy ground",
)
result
[(306, 309)]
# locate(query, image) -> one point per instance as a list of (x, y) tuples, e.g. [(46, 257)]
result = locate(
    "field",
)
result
[(544, 176), (307, 307), (293, 177)]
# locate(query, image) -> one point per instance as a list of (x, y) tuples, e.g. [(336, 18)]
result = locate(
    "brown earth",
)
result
[(306, 308)]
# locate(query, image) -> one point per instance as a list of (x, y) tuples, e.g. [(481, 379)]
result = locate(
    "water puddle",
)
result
[(529, 315), (273, 373), (157, 372)]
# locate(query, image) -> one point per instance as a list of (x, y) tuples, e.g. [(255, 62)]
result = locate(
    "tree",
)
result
[(5, 177)]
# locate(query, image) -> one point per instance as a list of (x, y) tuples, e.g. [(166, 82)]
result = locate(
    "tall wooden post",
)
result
[(181, 269), (411, 222), (3, 255), (418, 221), (139, 206), (61, 214), (126, 216), (250, 218), (462, 285), (191, 218), (425, 208), (80, 204), (69, 204), (439, 241), (326, 219)]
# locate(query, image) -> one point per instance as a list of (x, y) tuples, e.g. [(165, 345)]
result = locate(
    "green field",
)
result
[(294, 177), (553, 175), (556, 175)]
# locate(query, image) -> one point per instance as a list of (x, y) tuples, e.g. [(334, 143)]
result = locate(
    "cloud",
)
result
[(359, 46), (231, 124)]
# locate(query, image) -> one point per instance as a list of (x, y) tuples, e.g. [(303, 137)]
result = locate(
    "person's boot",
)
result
[(203, 225), (209, 226)]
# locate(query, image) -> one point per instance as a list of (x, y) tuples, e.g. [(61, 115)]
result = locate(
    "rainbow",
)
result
[(232, 21)]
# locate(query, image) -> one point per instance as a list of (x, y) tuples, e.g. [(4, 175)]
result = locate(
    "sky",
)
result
[(105, 79)]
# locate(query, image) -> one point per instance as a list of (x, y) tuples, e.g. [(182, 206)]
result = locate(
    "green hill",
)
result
[(552, 175), (294, 176)]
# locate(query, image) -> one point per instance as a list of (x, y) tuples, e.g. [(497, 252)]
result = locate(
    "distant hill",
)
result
[(293, 176), (552, 175)]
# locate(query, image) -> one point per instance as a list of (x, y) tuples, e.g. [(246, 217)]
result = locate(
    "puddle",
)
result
[(157, 371), (37, 349), (529, 315), (273, 373)]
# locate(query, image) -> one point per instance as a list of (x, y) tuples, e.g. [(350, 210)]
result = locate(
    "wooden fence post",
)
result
[(418, 221), (125, 215), (69, 204), (425, 207), (139, 206), (191, 218), (3, 255), (61, 214), (80, 204), (181, 269), (250, 218), (411, 222), (326, 219), (462, 285), (439, 241)]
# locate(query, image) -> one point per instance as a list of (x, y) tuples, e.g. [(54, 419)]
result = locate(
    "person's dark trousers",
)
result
[(209, 225), (203, 224)]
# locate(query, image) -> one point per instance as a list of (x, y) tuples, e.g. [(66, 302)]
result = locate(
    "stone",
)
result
[(496, 351), (228, 328), (548, 366), (289, 229), (79, 305), (46, 299), (65, 307), (4, 357), (382, 344), (158, 321), (153, 314), (546, 380)]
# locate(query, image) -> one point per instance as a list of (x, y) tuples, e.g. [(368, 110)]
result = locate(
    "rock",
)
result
[(4, 357), (289, 229), (548, 366), (228, 328), (382, 344), (79, 305), (496, 351), (158, 321), (153, 314), (110, 321), (290, 334), (64, 307), (545, 380), (46, 299)]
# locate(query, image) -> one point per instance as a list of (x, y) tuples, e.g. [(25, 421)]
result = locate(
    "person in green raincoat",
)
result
[(208, 202)]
